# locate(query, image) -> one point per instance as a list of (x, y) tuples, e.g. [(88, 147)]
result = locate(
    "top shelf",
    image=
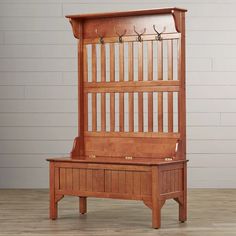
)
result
[(127, 13)]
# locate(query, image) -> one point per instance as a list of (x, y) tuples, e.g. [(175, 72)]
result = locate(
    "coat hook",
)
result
[(101, 40), (121, 36), (139, 35), (158, 37)]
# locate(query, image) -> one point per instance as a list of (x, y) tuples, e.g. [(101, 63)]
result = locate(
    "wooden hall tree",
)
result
[(131, 140)]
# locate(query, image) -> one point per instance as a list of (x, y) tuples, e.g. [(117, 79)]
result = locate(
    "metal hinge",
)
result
[(92, 156), (168, 159), (128, 158)]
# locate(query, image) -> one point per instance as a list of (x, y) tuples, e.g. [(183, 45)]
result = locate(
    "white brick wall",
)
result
[(38, 87)]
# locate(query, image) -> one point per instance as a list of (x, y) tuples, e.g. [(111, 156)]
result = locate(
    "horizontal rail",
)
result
[(133, 38), (132, 89), (132, 86), (131, 83), (132, 135)]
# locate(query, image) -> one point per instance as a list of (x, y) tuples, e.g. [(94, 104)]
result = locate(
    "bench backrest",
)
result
[(131, 85)]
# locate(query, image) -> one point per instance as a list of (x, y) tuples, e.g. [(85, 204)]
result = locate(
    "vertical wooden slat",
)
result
[(172, 180), (62, 178), (108, 182), (112, 62), (103, 111), (176, 180), (164, 184), (121, 112), (140, 94), (143, 183), (115, 181), (103, 95), (94, 63), (150, 94), (167, 181), (75, 173), (122, 181), (170, 77), (121, 95), (131, 95), (94, 111), (69, 179), (149, 180), (112, 112), (103, 63), (94, 95), (86, 111), (89, 179), (136, 181), (121, 61), (112, 95), (82, 179), (98, 180), (160, 94), (57, 176), (129, 181)]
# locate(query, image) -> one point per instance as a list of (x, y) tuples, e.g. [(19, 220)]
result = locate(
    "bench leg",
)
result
[(156, 215), (183, 200), (183, 211), (53, 201), (53, 208), (83, 205), (156, 202)]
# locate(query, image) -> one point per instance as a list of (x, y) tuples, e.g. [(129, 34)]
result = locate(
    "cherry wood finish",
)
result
[(147, 160)]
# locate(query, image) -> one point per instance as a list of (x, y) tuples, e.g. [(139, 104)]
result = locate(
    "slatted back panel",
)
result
[(132, 89), (131, 98)]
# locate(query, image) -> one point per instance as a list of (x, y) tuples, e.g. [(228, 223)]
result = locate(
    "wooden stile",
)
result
[(134, 163)]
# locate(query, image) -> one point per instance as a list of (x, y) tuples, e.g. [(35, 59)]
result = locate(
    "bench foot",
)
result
[(182, 209), (53, 210), (156, 218), (182, 212), (83, 205)]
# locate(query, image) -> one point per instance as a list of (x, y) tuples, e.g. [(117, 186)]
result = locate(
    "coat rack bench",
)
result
[(131, 140)]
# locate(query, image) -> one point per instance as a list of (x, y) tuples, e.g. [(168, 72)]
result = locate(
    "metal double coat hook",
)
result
[(158, 37), (139, 38), (101, 40)]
